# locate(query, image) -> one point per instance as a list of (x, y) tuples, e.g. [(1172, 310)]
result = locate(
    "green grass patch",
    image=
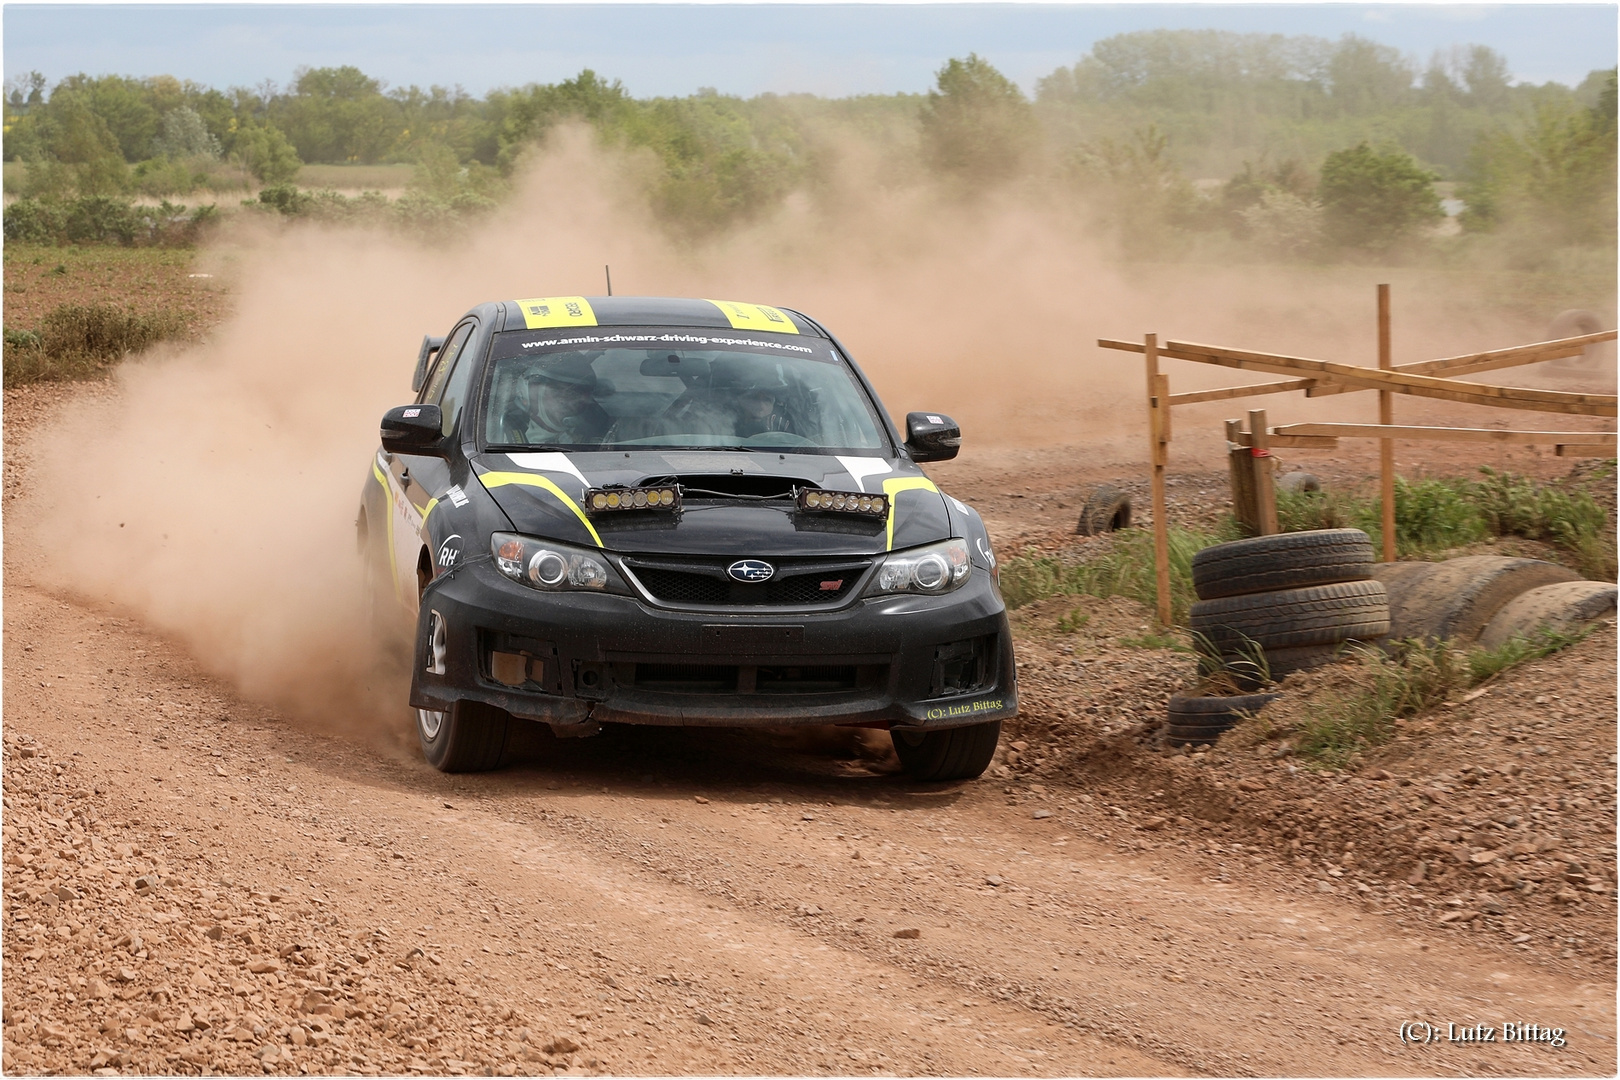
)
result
[(1125, 570), (1434, 516), (1154, 639), (83, 341), (1417, 677)]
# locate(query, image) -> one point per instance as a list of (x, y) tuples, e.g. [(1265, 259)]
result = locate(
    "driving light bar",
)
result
[(607, 500), (848, 502)]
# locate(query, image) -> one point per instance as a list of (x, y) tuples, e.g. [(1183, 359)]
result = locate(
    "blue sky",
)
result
[(828, 49)]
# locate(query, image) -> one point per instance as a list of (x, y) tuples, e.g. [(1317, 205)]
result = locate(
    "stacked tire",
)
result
[(1299, 597), (1202, 720)]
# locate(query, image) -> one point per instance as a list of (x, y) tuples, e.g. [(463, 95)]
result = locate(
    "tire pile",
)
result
[(1298, 597), (1195, 720)]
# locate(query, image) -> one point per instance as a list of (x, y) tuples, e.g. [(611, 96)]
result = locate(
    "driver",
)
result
[(561, 407), (755, 393)]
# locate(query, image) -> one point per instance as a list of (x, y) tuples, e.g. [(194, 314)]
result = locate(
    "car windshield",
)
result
[(628, 389)]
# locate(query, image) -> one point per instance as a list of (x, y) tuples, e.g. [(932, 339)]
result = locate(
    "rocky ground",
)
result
[(195, 882)]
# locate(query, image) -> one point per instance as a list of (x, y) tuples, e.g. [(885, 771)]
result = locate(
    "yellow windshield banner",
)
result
[(544, 311), (756, 317)]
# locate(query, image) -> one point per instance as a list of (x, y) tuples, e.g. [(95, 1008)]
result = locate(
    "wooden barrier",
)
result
[(1250, 463)]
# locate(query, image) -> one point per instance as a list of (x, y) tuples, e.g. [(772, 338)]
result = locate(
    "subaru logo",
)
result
[(751, 570)]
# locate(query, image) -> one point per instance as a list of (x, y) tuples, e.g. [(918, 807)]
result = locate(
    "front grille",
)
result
[(691, 584)]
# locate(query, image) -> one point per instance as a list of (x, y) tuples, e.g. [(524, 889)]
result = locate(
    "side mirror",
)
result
[(932, 437), (413, 429)]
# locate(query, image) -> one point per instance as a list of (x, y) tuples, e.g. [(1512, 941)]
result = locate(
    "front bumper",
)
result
[(920, 662)]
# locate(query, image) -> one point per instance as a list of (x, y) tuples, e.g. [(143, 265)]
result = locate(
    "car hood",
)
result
[(543, 495)]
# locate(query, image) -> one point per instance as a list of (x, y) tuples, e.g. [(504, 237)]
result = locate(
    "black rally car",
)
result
[(685, 512)]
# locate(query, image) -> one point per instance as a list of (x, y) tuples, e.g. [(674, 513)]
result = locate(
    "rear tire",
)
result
[(470, 736), (953, 754)]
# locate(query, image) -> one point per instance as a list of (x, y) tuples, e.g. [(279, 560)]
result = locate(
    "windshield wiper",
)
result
[(527, 448)]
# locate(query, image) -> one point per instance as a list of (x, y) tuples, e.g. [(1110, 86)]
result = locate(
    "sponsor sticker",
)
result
[(966, 708), (457, 497), (408, 413), (450, 551), (755, 317), (541, 311), (932, 419)]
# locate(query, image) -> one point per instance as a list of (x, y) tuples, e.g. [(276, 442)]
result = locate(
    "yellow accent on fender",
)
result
[(756, 317), (388, 519), (543, 311), (894, 486), (428, 510), (501, 479)]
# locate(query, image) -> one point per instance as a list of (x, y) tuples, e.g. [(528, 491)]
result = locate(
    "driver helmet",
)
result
[(742, 375), (570, 371)]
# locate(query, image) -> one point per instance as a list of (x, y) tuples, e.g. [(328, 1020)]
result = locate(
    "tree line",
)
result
[(1297, 144)]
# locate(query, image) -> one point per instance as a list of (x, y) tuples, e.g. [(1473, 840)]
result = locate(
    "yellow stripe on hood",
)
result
[(894, 486), (501, 479)]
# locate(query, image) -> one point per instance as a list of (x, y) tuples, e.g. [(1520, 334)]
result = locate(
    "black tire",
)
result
[(1285, 561), (953, 754), (1108, 510), (1285, 662), (1290, 618), (1215, 712), (1179, 736), (470, 736)]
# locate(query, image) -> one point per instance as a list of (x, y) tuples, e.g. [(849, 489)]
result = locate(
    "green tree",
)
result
[(183, 134), (76, 153), (265, 152), (977, 125), (1374, 199), (1556, 175), (338, 115)]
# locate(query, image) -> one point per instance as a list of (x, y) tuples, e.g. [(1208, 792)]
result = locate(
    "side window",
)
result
[(459, 384), (445, 361)]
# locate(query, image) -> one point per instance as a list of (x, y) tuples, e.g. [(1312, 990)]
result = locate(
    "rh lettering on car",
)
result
[(450, 551)]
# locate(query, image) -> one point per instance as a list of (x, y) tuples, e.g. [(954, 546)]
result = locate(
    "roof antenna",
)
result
[(608, 270)]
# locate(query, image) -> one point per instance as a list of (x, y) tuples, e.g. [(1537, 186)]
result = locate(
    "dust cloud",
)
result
[(215, 493)]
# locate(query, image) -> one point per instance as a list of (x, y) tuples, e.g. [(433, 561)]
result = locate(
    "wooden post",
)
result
[(1159, 450), (1265, 496), (1386, 415), (1239, 465)]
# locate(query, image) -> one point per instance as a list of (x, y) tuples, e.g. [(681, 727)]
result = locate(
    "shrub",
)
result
[(1374, 199), (82, 341), (100, 219)]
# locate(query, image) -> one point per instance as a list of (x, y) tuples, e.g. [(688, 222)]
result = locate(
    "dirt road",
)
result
[(194, 881)]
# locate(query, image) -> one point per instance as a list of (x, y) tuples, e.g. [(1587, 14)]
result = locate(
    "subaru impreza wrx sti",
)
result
[(642, 510)]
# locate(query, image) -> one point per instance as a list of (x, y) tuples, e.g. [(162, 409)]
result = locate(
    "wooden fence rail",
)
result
[(1317, 378)]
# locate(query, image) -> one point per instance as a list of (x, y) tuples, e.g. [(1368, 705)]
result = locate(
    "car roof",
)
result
[(660, 311)]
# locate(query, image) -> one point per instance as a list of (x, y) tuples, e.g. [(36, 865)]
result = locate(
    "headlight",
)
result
[(938, 568), (546, 564)]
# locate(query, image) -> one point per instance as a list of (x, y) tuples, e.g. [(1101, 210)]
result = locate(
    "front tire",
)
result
[(470, 736), (953, 754)]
